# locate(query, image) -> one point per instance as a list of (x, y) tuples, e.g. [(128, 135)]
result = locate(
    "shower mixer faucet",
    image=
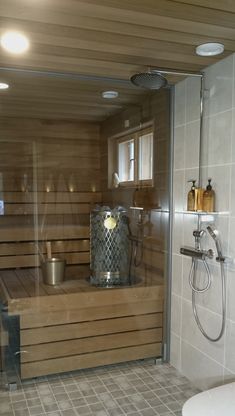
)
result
[(196, 252)]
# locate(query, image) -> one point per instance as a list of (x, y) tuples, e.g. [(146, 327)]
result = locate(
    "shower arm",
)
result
[(181, 73)]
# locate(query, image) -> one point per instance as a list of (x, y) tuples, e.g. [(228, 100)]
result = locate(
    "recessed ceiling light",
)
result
[(109, 94), (14, 42), (210, 49), (4, 86)]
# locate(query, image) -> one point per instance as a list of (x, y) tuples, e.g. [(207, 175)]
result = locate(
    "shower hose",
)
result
[(195, 290)]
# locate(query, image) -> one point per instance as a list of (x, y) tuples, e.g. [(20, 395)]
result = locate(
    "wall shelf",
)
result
[(202, 213)]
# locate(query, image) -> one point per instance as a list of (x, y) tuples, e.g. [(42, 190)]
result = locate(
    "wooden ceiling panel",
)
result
[(104, 39)]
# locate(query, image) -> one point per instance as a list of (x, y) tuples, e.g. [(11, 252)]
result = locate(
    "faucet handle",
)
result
[(210, 254), (198, 233)]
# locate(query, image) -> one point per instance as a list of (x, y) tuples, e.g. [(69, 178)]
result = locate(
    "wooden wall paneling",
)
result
[(11, 262), (63, 246), (84, 327), (67, 179), (86, 297), (94, 313), (92, 344), (101, 38), (89, 329), (52, 197), (69, 232), (63, 364)]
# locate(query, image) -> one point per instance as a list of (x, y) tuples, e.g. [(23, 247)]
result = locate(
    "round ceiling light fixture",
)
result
[(4, 86), (14, 42), (210, 49), (109, 94)]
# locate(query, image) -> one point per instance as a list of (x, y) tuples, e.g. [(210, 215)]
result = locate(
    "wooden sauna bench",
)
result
[(75, 325)]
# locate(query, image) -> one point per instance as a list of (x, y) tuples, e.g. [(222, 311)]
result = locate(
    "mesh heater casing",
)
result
[(109, 247)]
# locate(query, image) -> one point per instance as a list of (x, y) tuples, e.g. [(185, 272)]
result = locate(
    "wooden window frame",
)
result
[(135, 136)]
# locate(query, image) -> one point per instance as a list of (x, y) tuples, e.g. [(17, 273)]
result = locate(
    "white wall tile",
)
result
[(179, 147), (229, 376), (193, 86), (211, 323), (231, 250), (177, 265), (233, 133), (180, 104), (177, 233), (179, 184), (230, 296), (175, 351), (176, 317), (219, 140), (186, 290), (219, 83), (229, 349), (233, 189), (192, 144), (201, 370)]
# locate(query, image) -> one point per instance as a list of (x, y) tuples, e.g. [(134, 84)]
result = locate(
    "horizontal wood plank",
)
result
[(90, 328), (10, 262), (52, 197), (88, 296), (46, 233), (93, 344), (66, 246), (59, 365), (46, 209), (95, 313)]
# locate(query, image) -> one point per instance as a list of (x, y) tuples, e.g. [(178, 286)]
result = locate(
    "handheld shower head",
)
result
[(215, 235), (213, 232)]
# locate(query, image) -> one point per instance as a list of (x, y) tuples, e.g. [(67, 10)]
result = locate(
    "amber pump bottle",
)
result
[(209, 198), (191, 203)]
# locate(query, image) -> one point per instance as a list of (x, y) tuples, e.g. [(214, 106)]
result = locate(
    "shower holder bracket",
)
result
[(224, 259)]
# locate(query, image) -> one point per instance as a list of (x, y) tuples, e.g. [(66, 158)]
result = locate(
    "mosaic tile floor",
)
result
[(140, 388)]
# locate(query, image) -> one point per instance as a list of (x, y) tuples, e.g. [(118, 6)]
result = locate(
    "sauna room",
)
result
[(84, 221)]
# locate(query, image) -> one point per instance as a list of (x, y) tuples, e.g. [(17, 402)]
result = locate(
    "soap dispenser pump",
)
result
[(191, 203), (209, 198)]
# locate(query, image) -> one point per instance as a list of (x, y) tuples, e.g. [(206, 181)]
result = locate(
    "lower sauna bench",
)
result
[(75, 325)]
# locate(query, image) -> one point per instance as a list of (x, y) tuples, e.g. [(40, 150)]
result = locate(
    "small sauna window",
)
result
[(135, 158), (126, 159), (145, 158)]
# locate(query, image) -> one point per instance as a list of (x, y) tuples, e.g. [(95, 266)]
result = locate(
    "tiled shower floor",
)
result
[(140, 388)]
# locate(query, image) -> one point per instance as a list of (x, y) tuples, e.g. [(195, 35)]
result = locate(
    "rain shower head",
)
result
[(149, 80)]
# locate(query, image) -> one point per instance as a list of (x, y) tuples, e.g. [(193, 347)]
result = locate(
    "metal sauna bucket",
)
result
[(53, 271), (109, 247)]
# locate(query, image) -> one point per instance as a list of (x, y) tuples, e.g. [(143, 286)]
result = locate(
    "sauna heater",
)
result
[(109, 247)]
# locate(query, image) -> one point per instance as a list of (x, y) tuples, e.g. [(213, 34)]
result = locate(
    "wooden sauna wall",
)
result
[(156, 108), (50, 168)]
